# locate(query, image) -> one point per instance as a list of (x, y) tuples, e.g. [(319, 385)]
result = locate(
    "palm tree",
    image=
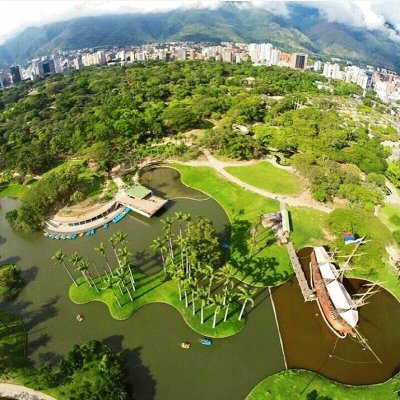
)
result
[(159, 244), (126, 266), (110, 285), (178, 275), (182, 242), (82, 267), (186, 285), (227, 302), (225, 275), (217, 302), (117, 238), (211, 276), (246, 295), (187, 217), (59, 258), (193, 285), (202, 295), (179, 218), (120, 275), (102, 250), (168, 233)]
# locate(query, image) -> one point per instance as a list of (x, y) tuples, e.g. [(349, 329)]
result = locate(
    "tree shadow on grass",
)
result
[(144, 385)]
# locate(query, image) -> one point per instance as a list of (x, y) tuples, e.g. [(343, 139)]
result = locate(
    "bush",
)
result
[(396, 236)]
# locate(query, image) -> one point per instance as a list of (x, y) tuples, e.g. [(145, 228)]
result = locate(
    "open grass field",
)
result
[(155, 289), (307, 226), (371, 264), (14, 190), (305, 385), (390, 215), (265, 264), (268, 177)]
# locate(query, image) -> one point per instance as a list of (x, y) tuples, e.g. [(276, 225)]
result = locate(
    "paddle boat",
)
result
[(206, 341), (80, 317), (185, 345)]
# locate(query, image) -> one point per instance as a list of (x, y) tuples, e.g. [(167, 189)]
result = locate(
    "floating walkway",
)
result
[(306, 291)]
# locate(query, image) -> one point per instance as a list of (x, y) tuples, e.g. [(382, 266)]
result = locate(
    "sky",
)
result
[(16, 15)]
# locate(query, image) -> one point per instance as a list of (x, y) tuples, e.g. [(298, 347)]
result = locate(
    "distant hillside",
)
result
[(304, 30)]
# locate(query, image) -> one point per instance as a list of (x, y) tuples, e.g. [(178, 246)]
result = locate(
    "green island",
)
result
[(93, 132), (198, 307)]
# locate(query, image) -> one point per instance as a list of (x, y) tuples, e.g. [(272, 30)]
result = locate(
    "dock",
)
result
[(306, 291)]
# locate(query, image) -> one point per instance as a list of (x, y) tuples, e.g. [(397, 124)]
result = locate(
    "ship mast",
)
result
[(360, 298), (365, 345)]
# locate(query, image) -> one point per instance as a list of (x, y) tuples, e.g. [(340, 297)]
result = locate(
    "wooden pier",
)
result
[(306, 291)]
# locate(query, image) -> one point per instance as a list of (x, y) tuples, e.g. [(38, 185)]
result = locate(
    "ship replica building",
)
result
[(336, 304)]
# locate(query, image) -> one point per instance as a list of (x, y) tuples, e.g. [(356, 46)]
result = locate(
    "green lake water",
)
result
[(150, 340)]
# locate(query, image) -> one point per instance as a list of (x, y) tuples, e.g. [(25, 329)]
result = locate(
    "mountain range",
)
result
[(303, 29)]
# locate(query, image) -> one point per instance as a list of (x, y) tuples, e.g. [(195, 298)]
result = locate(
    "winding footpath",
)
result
[(22, 392), (304, 200)]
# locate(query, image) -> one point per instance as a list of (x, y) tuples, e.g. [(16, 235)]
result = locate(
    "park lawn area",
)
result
[(14, 190), (372, 263), (390, 216), (307, 226), (155, 289), (266, 176), (297, 385), (269, 264)]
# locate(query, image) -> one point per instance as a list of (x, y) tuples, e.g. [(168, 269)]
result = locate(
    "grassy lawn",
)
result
[(297, 385), (307, 226), (269, 263), (371, 264), (268, 177), (390, 216), (14, 190), (155, 289)]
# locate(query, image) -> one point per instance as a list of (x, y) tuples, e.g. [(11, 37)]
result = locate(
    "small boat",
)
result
[(185, 345), (105, 226), (80, 317), (206, 341)]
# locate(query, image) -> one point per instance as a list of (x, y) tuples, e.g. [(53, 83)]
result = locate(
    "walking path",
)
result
[(304, 200), (22, 392)]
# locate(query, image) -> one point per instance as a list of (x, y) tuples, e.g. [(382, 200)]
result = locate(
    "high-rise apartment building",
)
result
[(46, 67), (299, 60), (16, 74)]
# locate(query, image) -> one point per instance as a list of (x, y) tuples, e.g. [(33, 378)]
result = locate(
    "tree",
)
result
[(118, 238), (59, 258), (246, 295), (83, 267), (168, 222), (202, 295), (225, 275), (102, 250), (110, 285), (217, 302), (159, 244)]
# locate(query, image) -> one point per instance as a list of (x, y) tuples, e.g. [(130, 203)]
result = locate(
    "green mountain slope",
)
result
[(304, 30)]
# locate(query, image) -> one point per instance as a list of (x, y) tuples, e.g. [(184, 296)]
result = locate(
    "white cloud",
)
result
[(16, 15)]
